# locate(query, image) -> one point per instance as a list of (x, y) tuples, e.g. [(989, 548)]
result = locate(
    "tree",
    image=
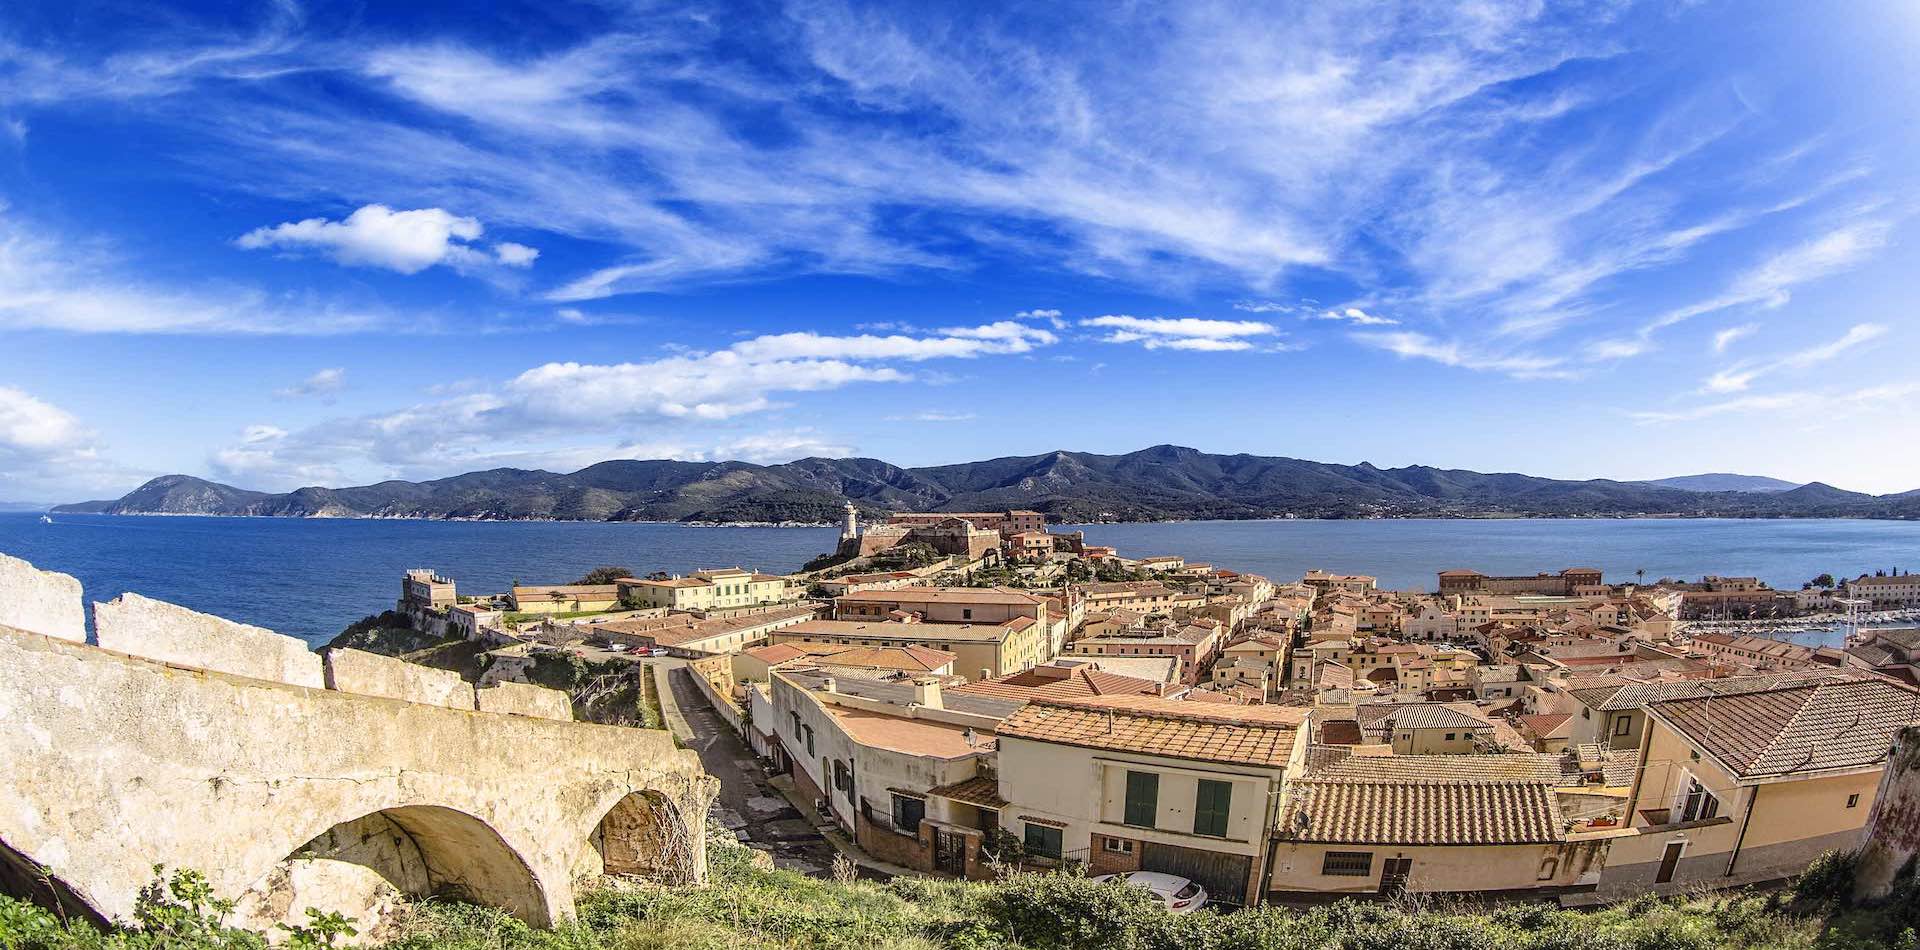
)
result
[(605, 574), (1824, 580)]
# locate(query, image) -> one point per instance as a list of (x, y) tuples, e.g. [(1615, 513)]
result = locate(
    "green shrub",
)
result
[(1829, 879)]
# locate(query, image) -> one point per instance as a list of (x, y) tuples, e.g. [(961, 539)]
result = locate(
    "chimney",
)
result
[(926, 692), (827, 685)]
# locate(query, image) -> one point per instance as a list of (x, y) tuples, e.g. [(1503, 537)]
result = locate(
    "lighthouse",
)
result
[(850, 528)]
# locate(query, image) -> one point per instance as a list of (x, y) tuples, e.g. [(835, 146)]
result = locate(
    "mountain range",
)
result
[(1724, 481), (1165, 482)]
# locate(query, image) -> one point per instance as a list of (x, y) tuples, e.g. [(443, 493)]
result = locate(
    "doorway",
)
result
[(1669, 859), (1393, 876)]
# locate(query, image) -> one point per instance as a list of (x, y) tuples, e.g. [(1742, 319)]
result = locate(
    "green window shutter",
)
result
[(1211, 805), (1143, 799), (1043, 841)]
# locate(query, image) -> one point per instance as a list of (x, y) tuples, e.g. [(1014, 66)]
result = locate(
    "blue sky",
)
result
[(283, 244)]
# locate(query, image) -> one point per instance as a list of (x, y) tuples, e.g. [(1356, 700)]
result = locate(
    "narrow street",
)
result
[(747, 805)]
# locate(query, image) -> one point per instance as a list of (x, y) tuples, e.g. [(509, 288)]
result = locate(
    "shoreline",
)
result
[(1063, 524)]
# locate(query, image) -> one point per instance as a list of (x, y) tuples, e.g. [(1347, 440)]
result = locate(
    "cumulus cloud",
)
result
[(404, 241), (324, 382), (46, 454), (1182, 333)]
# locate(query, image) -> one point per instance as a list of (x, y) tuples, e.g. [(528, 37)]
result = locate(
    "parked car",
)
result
[(1179, 894)]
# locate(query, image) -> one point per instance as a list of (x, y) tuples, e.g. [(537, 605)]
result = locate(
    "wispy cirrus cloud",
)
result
[(324, 382), (1739, 376), (1474, 356)]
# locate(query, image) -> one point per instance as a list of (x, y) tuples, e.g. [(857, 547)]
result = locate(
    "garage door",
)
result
[(1223, 875)]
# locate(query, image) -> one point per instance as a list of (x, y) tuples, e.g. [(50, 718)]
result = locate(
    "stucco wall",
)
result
[(41, 601), (1439, 870), (370, 674), (161, 631)]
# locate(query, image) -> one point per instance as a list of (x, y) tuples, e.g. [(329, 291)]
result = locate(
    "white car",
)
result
[(1179, 894)]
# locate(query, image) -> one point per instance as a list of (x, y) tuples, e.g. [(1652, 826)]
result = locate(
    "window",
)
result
[(1143, 799), (1118, 845), (809, 730), (966, 613), (1043, 841), (1452, 736), (1347, 864), (1210, 808), (796, 726), (843, 778), (1586, 714), (1622, 725), (907, 812), (1853, 800), (1699, 803)]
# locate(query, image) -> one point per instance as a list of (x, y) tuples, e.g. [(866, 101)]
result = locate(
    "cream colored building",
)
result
[(564, 598), (1752, 786), (718, 589), (983, 650), (1141, 783)]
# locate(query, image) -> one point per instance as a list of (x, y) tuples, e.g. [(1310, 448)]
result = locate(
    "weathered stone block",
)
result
[(161, 631), (370, 674), (40, 601), (522, 700)]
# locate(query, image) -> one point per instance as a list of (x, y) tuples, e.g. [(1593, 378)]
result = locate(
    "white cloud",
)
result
[(1770, 283), (1182, 333), (1410, 345), (1355, 316), (1738, 377), (1822, 405), (655, 403), (322, 383), (54, 284), (1727, 337), (934, 415), (46, 454), (404, 241), (515, 255)]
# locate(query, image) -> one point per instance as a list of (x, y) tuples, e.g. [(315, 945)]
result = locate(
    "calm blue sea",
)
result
[(310, 578)]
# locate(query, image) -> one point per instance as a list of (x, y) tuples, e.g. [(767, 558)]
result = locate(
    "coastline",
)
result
[(1642, 516)]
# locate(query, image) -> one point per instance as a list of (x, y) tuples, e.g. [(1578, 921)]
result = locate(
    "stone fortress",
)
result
[(343, 781)]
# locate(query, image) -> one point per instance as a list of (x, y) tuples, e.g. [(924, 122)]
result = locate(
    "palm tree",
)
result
[(1640, 575)]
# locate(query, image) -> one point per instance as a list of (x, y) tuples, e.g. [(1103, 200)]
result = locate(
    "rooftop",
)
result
[(1804, 728), (1205, 733), (942, 595), (1424, 811), (916, 632)]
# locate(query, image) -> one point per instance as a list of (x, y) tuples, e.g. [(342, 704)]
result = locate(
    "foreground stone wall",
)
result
[(41, 601), (161, 631), (288, 794), (1893, 830)]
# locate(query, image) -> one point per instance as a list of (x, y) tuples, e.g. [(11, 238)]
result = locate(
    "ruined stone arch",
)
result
[(645, 833), (23, 878), (365, 866)]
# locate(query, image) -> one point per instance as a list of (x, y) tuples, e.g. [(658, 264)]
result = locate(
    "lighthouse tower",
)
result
[(850, 528)]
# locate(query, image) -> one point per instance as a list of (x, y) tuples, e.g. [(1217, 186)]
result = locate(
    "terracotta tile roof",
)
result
[(1423, 812), (1204, 733), (943, 595), (1637, 695), (1043, 682), (981, 791), (1550, 725), (1531, 767), (1419, 716), (1807, 728)]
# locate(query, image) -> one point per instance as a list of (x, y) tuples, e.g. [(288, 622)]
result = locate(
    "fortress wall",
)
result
[(370, 674), (520, 699), (157, 630), (41, 601)]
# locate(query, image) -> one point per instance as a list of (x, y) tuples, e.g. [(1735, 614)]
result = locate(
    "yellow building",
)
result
[(718, 589), (564, 598), (982, 650), (1743, 787)]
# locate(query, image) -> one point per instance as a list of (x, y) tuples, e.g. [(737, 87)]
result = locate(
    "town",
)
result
[(971, 694)]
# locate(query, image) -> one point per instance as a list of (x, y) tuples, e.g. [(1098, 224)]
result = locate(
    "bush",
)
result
[(1829, 879)]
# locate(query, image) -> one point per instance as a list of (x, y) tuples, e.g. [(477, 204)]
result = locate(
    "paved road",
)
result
[(747, 804)]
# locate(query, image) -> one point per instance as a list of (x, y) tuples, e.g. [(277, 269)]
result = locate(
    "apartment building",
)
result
[(1749, 786), (1179, 787), (1886, 593), (983, 650), (717, 589)]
